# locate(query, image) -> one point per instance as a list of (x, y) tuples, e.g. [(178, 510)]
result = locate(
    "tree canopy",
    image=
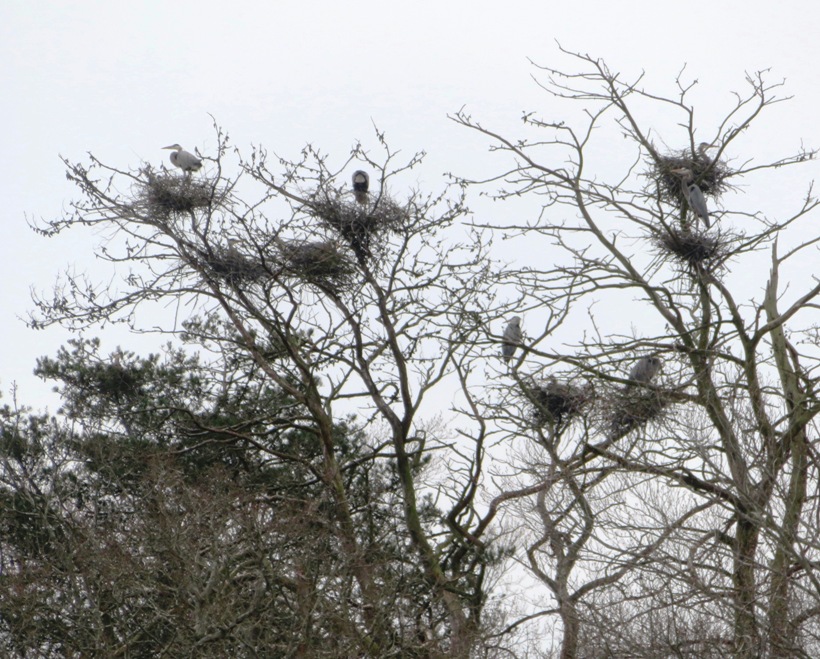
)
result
[(332, 458)]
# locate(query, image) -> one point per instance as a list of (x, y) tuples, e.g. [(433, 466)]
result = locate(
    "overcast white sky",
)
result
[(122, 79)]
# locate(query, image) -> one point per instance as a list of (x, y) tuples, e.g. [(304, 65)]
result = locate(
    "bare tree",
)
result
[(652, 435), (656, 503), (367, 308)]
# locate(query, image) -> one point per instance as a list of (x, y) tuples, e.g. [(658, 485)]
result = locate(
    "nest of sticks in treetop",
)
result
[(557, 402), (360, 225), (228, 264), (320, 262), (167, 193), (710, 175), (635, 406), (692, 248)]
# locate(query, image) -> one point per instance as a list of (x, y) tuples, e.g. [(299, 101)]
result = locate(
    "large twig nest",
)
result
[(320, 262), (636, 406), (360, 225), (166, 193), (231, 265), (693, 249), (557, 402), (710, 176)]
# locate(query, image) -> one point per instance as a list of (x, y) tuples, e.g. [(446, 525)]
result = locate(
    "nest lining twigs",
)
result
[(320, 262), (636, 406), (232, 266), (710, 175), (693, 249), (167, 193), (557, 402), (361, 226)]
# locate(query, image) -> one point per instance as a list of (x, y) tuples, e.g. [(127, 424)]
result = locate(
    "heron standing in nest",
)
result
[(645, 369), (693, 194), (183, 159), (361, 184), (703, 156)]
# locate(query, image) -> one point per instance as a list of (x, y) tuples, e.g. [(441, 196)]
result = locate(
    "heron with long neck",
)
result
[(693, 194), (183, 159)]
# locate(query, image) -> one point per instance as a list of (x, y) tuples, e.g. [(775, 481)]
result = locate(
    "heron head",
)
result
[(175, 147), (515, 320), (682, 171), (703, 146)]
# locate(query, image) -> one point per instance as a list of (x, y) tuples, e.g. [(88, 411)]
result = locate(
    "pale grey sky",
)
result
[(122, 79)]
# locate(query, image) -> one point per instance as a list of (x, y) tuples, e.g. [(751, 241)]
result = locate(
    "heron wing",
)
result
[(698, 203)]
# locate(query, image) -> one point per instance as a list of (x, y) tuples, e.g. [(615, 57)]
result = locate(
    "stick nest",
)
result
[(636, 406), (166, 194), (710, 175), (557, 402), (361, 226), (692, 249), (322, 262), (232, 266)]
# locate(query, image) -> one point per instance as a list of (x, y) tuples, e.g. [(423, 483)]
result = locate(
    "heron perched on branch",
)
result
[(183, 159), (645, 369), (512, 338), (694, 195), (361, 183)]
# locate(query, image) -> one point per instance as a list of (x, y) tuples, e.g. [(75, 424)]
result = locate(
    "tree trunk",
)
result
[(569, 617), (747, 637), (781, 634)]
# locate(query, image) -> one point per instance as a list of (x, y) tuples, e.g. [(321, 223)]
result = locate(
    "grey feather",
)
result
[(512, 338), (361, 184), (693, 194), (183, 159), (645, 369)]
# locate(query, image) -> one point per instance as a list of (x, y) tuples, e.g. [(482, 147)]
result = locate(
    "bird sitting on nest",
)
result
[(703, 156), (693, 194), (645, 369), (183, 159), (361, 184)]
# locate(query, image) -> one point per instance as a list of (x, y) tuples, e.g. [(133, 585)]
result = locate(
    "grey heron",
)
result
[(645, 369), (361, 183), (703, 147), (694, 195), (512, 338), (183, 159), (232, 251)]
